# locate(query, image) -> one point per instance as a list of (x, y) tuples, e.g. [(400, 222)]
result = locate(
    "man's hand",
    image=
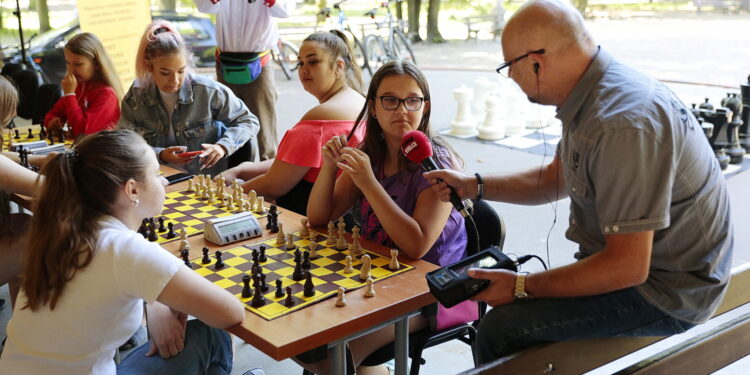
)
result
[(465, 186), (211, 155), (501, 289), (167, 329), (69, 83)]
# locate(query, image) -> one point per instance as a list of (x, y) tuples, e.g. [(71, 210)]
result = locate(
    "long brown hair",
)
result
[(88, 45), (337, 45), (374, 142), (80, 186), (8, 105)]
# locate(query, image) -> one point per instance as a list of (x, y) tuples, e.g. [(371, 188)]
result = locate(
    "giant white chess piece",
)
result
[(463, 124), (492, 128), (482, 87), (514, 119)]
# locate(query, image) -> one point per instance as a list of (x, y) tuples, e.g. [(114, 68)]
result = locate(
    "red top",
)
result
[(302, 143), (93, 108)]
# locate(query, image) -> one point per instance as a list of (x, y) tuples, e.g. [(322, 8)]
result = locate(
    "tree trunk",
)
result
[(399, 10), (581, 6), (433, 33), (169, 5), (414, 8), (43, 12)]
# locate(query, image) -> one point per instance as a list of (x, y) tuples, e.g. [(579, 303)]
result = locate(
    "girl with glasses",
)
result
[(393, 202)]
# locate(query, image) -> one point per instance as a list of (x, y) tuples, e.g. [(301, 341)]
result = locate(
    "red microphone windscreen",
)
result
[(415, 146)]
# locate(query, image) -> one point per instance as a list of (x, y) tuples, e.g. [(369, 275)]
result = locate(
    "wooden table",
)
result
[(398, 298)]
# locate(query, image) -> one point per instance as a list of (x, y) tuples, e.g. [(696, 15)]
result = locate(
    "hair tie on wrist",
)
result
[(71, 156), (160, 30)]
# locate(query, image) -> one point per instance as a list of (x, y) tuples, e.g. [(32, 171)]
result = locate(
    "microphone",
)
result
[(417, 148)]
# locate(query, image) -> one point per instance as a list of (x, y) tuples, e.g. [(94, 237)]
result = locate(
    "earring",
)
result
[(136, 202)]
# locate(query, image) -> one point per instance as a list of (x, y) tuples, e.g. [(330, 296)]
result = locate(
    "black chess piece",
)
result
[(309, 288), (262, 257), (279, 290), (18, 136), (298, 273), (143, 229), (256, 280), (297, 256), (289, 301), (246, 291), (162, 228), (171, 234), (263, 284), (206, 259), (219, 263), (186, 258), (258, 299), (152, 235), (255, 256), (306, 260), (42, 132), (31, 134)]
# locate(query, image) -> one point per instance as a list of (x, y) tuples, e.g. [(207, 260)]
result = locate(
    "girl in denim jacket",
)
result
[(178, 112)]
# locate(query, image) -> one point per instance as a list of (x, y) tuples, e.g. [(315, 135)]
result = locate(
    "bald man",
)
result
[(648, 203)]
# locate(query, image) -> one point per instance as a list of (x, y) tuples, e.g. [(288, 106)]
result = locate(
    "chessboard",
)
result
[(327, 273), (184, 210), (28, 134)]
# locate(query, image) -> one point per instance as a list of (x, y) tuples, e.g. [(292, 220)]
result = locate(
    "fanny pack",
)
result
[(241, 68)]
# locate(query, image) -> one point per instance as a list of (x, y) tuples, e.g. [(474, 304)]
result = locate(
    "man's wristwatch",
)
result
[(520, 292)]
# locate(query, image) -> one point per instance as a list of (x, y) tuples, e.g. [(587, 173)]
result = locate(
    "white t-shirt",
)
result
[(98, 311), (170, 102)]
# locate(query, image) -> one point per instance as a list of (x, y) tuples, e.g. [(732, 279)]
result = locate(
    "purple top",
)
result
[(404, 187)]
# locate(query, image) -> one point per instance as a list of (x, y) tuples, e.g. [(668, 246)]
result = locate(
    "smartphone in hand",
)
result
[(179, 177), (189, 154)]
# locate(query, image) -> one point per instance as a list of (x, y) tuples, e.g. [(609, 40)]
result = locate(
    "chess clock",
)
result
[(232, 228), (451, 284)]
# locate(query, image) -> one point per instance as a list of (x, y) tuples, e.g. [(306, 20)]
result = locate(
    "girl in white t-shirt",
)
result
[(87, 273)]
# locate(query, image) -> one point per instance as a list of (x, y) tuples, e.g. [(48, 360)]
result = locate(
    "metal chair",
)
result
[(491, 229)]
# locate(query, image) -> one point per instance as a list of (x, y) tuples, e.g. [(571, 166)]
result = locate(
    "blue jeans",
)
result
[(509, 328), (207, 351)]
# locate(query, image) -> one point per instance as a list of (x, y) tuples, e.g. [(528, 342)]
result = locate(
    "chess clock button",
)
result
[(242, 235), (248, 233), (226, 238), (234, 237)]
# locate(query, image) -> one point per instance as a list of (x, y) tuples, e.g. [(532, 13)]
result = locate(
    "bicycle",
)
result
[(285, 54), (342, 24), (396, 47)]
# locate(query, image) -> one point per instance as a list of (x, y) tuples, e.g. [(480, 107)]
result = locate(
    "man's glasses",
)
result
[(506, 73), (412, 103)]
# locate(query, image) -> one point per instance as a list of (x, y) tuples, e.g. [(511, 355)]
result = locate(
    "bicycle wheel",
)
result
[(288, 55), (360, 54), (375, 50), (402, 47)]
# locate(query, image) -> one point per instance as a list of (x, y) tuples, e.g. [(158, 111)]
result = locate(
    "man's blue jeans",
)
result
[(509, 328), (207, 351)]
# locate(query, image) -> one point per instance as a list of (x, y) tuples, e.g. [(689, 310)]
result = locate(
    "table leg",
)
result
[(402, 345), (338, 363)]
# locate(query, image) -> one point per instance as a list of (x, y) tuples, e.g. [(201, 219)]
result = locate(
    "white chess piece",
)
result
[(190, 185), (348, 265), (341, 240), (331, 234), (340, 297), (280, 235), (482, 87), (463, 124), (314, 250), (304, 232), (364, 272), (492, 128), (515, 115), (290, 241), (394, 265), (369, 289)]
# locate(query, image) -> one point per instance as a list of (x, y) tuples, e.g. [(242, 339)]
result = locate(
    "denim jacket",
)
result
[(206, 112)]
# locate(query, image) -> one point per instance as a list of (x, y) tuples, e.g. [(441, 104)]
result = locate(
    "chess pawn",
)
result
[(260, 206), (340, 297), (341, 240), (190, 185), (313, 250), (304, 233), (232, 206), (493, 127), (356, 248), (348, 265), (280, 235), (394, 265), (251, 196), (364, 272), (369, 289), (290, 241), (331, 234), (482, 88), (463, 124)]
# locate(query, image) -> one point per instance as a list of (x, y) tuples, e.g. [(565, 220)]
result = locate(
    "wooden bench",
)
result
[(713, 345), (475, 24)]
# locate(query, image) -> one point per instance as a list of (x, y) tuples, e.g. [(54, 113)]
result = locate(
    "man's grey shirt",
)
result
[(635, 159)]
